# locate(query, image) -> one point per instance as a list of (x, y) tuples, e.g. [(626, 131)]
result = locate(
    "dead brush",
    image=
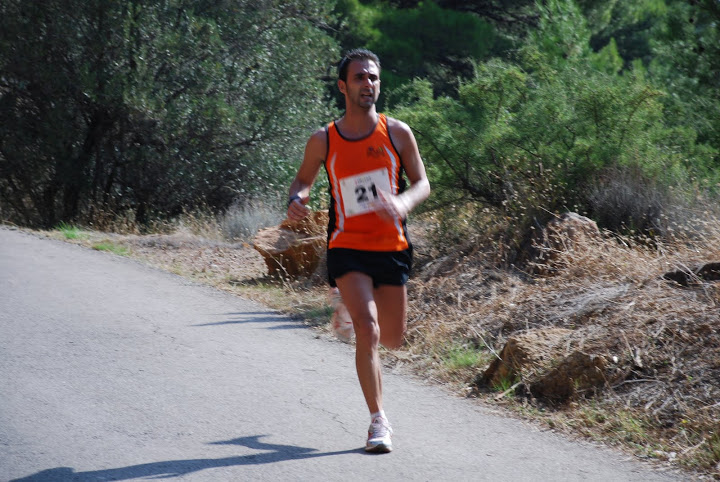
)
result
[(110, 221), (611, 292), (665, 337), (246, 217)]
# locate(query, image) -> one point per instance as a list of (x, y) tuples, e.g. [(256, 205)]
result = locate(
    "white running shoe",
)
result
[(379, 436), (342, 325)]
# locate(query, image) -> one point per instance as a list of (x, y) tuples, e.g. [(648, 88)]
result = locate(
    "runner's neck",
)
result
[(356, 126)]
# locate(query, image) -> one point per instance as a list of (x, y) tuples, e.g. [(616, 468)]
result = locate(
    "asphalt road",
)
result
[(110, 370)]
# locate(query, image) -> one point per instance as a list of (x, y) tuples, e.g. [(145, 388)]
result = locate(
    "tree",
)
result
[(546, 133), (686, 48), (414, 42), (154, 106)]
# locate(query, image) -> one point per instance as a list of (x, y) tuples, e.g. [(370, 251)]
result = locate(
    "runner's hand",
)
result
[(297, 209), (391, 207)]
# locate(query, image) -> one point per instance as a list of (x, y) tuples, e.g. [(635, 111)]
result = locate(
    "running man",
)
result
[(369, 255)]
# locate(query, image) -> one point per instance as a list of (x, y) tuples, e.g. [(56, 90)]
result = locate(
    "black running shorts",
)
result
[(384, 267)]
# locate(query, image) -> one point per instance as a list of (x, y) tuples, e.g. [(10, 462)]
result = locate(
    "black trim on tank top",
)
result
[(392, 143), (377, 123), (331, 210), (402, 183), (327, 144)]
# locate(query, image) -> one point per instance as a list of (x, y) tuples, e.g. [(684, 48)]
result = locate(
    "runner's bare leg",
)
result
[(357, 293), (391, 302)]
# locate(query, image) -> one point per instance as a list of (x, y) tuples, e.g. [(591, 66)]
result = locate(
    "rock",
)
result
[(577, 373), (525, 353), (559, 235), (540, 361), (293, 248), (696, 275)]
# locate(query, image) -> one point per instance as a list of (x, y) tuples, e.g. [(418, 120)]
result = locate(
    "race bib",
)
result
[(360, 192)]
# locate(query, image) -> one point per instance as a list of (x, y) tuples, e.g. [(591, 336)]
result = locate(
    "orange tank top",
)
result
[(357, 170)]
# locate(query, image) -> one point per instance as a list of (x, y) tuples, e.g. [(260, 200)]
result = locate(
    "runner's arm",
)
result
[(407, 147), (299, 193)]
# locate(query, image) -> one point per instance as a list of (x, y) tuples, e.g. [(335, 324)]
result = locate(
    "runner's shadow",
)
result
[(258, 317), (175, 468)]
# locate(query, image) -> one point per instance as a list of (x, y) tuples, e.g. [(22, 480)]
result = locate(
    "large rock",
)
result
[(539, 362), (576, 374), (293, 249), (561, 234), (525, 353)]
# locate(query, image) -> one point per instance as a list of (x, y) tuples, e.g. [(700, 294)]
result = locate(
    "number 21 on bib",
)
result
[(361, 191)]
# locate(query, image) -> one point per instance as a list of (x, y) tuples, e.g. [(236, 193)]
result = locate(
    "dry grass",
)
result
[(463, 308), (611, 293)]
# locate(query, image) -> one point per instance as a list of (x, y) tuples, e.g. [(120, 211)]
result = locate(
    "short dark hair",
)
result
[(355, 54)]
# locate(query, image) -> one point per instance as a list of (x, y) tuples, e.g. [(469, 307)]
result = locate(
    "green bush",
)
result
[(558, 129)]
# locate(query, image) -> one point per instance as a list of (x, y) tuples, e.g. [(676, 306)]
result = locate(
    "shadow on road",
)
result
[(257, 317), (174, 468)]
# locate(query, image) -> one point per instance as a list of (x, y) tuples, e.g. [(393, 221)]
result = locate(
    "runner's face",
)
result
[(363, 83)]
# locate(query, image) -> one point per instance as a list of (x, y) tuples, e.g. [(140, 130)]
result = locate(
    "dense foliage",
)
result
[(521, 108), (153, 107), (561, 127), (426, 41)]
